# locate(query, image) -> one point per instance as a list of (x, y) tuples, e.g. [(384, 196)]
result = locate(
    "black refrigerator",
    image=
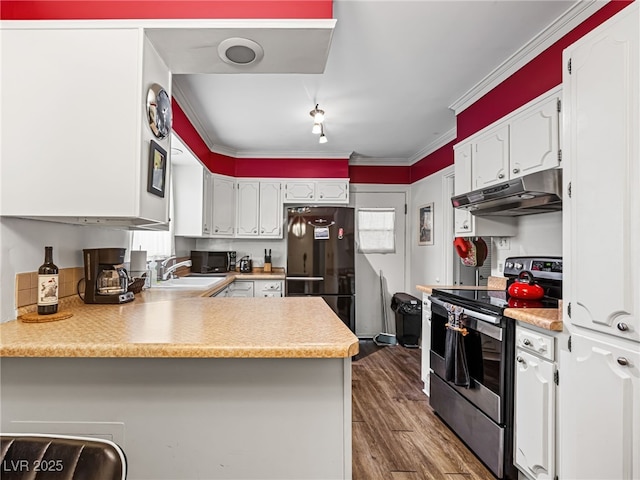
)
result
[(321, 257)]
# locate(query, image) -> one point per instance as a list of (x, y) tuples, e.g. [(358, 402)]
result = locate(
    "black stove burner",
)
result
[(494, 301)]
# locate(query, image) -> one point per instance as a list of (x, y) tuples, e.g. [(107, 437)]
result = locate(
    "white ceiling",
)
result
[(394, 69)]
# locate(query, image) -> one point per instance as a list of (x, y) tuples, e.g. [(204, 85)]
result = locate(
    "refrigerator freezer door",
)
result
[(321, 257), (320, 251)]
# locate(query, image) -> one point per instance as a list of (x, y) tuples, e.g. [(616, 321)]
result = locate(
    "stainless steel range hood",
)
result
[(538, 192)]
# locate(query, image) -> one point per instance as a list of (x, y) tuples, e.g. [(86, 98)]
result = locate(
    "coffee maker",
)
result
[(105, 278)]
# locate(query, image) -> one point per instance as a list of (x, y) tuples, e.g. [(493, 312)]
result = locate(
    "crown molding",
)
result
[(361, 160), (181, 95), (435, 145), (289, 154), (573, 17)]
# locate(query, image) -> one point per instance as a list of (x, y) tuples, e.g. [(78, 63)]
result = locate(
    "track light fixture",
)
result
[(323, 138), (317, 114), (318, 128)]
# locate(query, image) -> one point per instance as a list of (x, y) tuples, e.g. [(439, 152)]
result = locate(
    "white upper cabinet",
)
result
[(490, 161), (465, 224), (259, 209), (76, 139), (193, 200), (271, 210), (316, 191), (332, 191), (602, 178), (534, 138), (462, 219), (526, 141), (224, 201), (248, 208), (299, 191)]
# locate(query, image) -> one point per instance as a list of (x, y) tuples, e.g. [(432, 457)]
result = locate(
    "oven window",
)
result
[(484, 353)]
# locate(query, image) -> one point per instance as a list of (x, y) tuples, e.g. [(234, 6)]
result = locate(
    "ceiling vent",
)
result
[(240, 51)]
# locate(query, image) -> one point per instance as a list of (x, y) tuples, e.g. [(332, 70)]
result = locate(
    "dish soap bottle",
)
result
[(48, 284)]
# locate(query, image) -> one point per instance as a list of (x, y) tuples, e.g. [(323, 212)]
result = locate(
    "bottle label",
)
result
[(47, 289)]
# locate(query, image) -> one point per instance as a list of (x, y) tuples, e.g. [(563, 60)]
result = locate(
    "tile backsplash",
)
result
[(27, 285)]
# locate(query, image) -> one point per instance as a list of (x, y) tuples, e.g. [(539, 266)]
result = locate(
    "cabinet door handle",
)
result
[(516, 170), (526, 342), (520, 359), (623, 327), (501, 176), (623, 361)]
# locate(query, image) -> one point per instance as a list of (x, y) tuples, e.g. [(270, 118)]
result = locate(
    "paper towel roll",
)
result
[(138, 261)]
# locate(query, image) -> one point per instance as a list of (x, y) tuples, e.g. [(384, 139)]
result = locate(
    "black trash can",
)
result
[(408, 310)]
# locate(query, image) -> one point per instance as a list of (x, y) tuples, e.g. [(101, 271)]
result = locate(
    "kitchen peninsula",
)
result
[(191, 386)]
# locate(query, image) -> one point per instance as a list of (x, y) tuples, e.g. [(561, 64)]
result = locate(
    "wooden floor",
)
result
[(396, 435)]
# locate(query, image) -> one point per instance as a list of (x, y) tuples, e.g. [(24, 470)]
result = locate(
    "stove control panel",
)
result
[(540, 267)]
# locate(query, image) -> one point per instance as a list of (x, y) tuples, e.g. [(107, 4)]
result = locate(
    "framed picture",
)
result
[(425, 224), (157, 169)]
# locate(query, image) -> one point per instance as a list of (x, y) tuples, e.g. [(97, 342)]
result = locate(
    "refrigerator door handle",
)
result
[(306, 279)]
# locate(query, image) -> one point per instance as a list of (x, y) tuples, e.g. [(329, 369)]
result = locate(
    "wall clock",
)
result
[(159, 111)]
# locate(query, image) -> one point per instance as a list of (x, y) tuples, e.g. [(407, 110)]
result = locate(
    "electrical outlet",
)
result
[(503, 243)]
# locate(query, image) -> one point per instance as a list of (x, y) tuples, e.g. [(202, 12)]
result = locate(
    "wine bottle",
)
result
[(48, 284)]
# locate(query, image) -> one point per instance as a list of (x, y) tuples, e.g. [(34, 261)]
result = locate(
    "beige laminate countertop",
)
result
[(162, 323), (547, 318)]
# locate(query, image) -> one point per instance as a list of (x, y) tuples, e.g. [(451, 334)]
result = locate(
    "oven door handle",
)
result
[(470, 313)]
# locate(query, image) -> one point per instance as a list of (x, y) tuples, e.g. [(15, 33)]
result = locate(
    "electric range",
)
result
[(472, 358)]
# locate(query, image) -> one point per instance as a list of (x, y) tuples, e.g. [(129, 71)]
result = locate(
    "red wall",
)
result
[(122, 9), (539, 75), (536, 77), (432, 163), (389, 175), (292, 167)]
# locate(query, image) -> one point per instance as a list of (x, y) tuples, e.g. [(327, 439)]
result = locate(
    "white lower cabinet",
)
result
[(268, 288), (253, 288), (240, 288), (425, 341), (600, 409), (535, 404)]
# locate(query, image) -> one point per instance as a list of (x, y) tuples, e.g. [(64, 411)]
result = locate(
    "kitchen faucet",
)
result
[(169, 272)]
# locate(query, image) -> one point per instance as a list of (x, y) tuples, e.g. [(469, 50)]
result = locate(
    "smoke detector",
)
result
[(240, 51)]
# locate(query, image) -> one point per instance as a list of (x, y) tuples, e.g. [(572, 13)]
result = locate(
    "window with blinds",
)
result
[(376, 230)]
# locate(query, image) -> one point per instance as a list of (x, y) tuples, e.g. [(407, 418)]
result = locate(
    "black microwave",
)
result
[(212, 262)]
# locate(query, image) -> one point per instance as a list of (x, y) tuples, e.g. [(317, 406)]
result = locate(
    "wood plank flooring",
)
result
[(396, 435)]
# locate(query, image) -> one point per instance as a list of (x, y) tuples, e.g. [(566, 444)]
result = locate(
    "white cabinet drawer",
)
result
[(534, 342), (268, 288)]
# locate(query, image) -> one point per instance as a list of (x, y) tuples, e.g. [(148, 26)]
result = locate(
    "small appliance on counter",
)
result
[(203, 262), (105, 278), (245, 264)]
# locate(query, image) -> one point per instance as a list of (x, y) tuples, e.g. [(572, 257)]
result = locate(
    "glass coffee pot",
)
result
[(112, 281)]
